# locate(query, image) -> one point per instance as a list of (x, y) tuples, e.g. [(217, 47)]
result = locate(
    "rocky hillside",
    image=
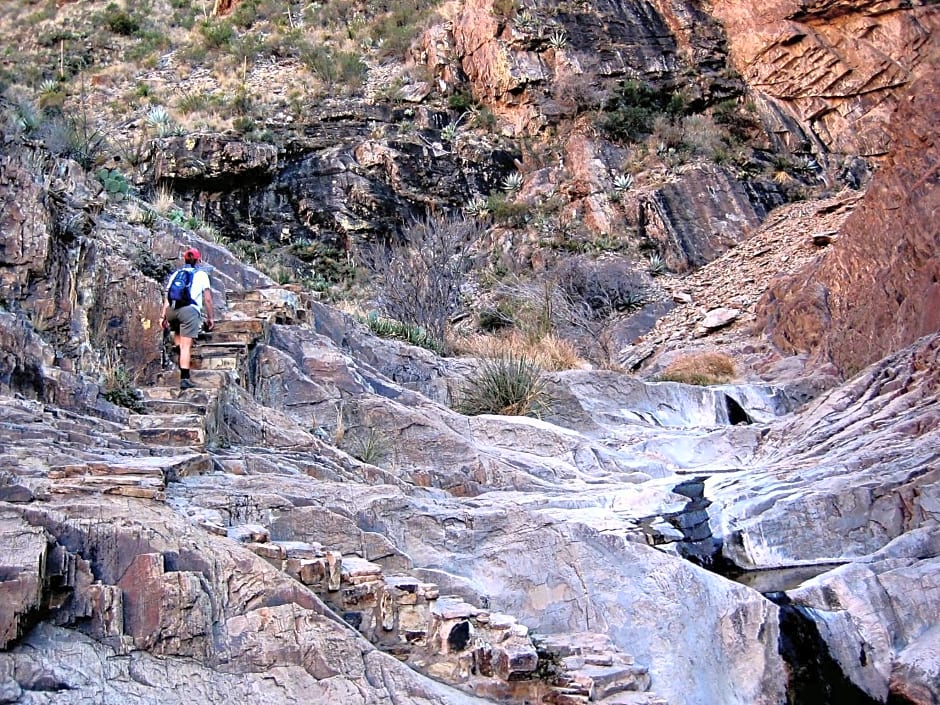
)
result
[(735, 196)]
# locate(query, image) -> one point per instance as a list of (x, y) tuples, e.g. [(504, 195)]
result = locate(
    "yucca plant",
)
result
[(508, 385)]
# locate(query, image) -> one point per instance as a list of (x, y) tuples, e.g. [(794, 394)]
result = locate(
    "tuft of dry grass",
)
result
[(700, 368), (549, 352), (163, 202)]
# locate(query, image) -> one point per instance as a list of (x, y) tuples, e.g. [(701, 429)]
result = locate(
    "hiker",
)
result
[(188, 300)]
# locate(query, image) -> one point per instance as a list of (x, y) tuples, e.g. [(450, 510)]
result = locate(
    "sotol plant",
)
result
[(507, 385)]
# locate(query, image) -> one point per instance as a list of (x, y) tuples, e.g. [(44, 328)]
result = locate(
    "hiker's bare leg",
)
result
[(186, 345)]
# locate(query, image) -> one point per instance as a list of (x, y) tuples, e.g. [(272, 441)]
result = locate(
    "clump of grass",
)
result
[(548, 351), (508, 385), (371, 449), (118, 386), (701, 369), (390, 328)]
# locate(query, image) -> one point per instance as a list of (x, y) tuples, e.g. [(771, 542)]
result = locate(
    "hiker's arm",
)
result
[(163, 322), (207, 305)]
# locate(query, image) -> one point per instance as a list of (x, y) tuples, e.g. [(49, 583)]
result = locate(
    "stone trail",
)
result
[(454, 641), (487, 653)]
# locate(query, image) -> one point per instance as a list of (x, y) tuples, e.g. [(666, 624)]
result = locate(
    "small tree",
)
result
[(418, 277)]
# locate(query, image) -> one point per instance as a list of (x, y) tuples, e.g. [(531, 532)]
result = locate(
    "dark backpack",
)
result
[(178, 293)]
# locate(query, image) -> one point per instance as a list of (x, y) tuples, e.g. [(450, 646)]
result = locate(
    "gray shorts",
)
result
[(186, 321)]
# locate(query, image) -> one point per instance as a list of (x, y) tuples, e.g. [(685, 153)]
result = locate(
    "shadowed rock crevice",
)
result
[(815, 678)]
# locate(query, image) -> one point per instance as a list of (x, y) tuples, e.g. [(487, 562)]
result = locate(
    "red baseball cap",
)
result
[(192, 253)]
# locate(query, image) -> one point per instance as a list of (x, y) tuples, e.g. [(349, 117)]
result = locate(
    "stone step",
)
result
[(220, 349), (203, 379), (144, 421), (176, 397), (174, 406), (235, 330), (164, 468), (633, 698), (180, 437), (224, 363), (602, 681), (140, 487)]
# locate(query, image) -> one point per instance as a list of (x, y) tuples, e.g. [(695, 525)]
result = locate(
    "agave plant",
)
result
[(159, 118), (157, 115), (477, 206), (512, 182), (525, 22), (623, 182), (655, 264), (50, 85), (558, 39)]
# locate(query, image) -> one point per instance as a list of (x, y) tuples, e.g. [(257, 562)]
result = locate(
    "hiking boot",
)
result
[(187, 384)]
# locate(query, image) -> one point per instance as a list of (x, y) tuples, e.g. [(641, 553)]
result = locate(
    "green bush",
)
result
[(119, 21), (217, 34), (508, 385), (335, 67), (631, 111), (460, 101), (120, 390)]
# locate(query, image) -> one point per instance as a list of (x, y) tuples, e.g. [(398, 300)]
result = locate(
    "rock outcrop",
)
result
[(876, 290), (862, 79)]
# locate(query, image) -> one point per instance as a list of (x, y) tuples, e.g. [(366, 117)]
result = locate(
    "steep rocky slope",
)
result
[(316, 521)]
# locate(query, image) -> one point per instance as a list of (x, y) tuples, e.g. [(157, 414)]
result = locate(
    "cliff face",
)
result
[(838, 68), (861, 78)]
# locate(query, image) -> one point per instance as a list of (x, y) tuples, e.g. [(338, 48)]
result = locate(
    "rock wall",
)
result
[(878, 288), (838, 67)]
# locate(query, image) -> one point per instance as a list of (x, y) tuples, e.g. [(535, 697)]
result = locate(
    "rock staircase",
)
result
[(483, 652), (170, 440), (487, 653)]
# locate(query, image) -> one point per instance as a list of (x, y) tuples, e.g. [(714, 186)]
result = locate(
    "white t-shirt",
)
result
[(198, 285)]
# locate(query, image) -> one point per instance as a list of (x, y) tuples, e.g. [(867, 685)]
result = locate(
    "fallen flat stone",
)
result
[(719, 318)]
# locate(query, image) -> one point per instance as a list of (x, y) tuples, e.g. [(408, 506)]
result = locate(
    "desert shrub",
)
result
[(740, 121), (192, 102), (574, 89), (118, 386), (217, 34), (630, 112), (548, 351), (334, 67), (700, 368), (507, 211), (372, 448), (119, 21), (601, 287), (65, 137), (461, 101), (399, 25), (506, 385), (504, 8), (152, 266), (419, 275)]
